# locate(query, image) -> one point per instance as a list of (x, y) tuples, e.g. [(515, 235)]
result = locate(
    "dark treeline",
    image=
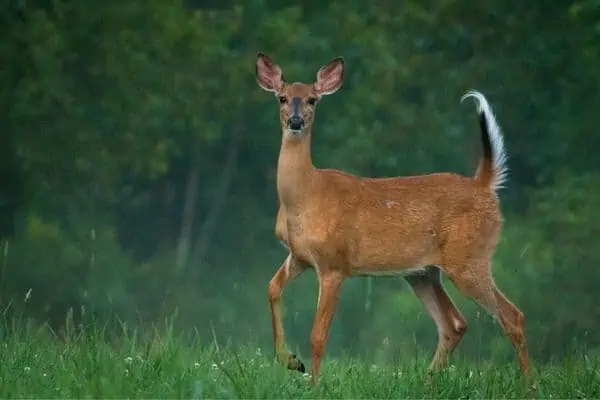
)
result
[(138, 156)]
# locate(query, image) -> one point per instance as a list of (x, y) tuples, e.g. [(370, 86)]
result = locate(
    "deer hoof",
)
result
[(295, 364)]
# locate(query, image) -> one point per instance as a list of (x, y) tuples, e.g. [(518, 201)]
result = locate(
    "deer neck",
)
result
[(295, 170)]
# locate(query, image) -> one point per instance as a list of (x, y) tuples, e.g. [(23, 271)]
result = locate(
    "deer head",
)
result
[(297, 101)]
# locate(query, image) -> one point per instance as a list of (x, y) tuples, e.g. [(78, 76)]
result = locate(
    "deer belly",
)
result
[(389, 271), (388, 249)]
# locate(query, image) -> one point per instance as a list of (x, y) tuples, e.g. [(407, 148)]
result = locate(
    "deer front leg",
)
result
[(289, 270), (330, 284)]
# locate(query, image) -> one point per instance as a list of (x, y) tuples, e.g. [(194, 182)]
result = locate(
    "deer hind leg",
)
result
[(451, 325), (475, 281), (290, 269), (513, 321)]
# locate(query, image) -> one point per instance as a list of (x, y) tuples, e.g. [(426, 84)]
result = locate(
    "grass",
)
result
[(38, 364)]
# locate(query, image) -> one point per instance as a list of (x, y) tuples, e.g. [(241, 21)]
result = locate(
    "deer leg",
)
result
[(477, 283), (289, 270), (330, 284), (450, 323), (513, 322)]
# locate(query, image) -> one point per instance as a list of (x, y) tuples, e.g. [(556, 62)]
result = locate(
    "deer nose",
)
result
[(296, 122)]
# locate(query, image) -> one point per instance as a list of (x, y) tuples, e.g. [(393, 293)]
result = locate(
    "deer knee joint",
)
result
[(460, 328), (274, 290)]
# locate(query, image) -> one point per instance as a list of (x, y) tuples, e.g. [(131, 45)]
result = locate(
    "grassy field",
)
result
[(39, 364)]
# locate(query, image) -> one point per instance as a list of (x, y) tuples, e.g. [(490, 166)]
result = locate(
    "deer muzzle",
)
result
[(295, 121)]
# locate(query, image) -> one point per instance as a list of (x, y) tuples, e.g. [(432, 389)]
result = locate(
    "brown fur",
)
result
[(343, 225)]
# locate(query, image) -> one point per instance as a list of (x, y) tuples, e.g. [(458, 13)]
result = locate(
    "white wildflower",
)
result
[(215, 366), (128, 360), (26, 369), (196, 365)]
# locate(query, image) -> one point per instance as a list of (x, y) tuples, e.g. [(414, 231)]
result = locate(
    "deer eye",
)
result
[(282, 99), (312, 101)]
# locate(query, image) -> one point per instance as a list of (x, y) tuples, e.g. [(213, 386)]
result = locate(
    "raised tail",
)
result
[(492, 171)]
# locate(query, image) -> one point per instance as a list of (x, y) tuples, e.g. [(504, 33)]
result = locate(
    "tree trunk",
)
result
[(212, 217), (187, 218)]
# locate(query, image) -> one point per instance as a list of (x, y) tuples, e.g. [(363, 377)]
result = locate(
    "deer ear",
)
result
[(330, 77), (268, 74)]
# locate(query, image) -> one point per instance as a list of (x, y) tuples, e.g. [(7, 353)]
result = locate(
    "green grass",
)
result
[(38, 364)]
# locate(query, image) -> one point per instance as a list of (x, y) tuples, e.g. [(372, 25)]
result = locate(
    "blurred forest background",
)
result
[(138, 156)]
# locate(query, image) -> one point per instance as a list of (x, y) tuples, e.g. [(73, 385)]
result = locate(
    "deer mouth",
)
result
[(295, 130), (295, 126)]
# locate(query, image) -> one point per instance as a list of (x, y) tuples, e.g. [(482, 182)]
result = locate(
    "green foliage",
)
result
[(50, 270), (153, 365)]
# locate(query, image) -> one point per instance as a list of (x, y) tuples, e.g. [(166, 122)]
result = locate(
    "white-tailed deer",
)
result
[(343, 225)]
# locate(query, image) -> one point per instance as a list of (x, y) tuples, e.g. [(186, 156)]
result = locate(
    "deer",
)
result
[(416, 227)]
